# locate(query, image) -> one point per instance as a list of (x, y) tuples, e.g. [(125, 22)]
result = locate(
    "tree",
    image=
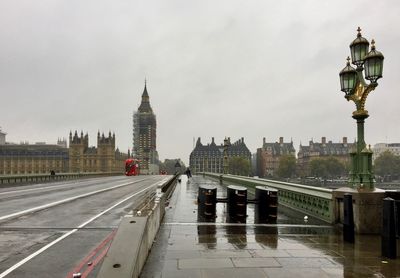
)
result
[(335, 167), (287, 166), (327, 167), (239, 166), (318, 168), (387, 165)]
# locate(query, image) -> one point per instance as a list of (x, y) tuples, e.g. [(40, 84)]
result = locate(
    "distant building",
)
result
[(104, 158), (42, 158), (268, 156), (320, 150), (144, 136), (32, 159), (2, 137), (254, 171), (169, 166), (380, 148), (209, 158)]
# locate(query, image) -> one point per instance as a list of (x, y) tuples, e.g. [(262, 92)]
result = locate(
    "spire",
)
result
[(145, 104), (145, 94)]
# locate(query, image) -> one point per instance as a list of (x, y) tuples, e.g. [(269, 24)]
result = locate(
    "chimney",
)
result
[(264, 141), (212, 140), (281, 140), (242, 139), (323, 140), (344, 140)]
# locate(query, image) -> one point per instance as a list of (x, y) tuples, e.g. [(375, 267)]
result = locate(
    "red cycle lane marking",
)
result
[(95, 262), (92, 254)]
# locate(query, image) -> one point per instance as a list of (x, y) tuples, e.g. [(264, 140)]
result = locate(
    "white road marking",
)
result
[(44, 248), (16, 214), (34, 189)]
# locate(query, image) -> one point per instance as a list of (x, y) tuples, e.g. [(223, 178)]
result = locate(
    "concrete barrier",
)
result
[(134, 238)]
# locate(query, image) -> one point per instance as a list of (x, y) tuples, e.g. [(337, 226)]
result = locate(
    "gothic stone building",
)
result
[(104, 158), (324, 149), (209, 158), (37, 158), (268, 156), (144, 136), (42, 158)]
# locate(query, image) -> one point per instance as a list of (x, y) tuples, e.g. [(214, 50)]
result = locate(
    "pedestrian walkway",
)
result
[(291, 248)]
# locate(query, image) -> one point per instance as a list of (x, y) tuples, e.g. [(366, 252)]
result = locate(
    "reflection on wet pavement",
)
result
[(185, 247)]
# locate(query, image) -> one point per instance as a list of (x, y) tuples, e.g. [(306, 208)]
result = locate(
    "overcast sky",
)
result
[(249, 69)]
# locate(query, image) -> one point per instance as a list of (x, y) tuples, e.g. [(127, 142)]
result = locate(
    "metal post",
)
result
[(206, 203), (389, 243), (348, 221), (266, 201), (236, 203)]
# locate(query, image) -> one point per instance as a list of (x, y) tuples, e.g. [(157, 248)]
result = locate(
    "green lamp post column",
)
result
[(354, 86)]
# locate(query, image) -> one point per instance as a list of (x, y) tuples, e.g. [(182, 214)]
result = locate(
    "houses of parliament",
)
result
[(76, 156), (79, 157)]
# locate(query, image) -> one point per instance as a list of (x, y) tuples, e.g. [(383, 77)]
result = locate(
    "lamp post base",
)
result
[(367, 208), (361, 174)]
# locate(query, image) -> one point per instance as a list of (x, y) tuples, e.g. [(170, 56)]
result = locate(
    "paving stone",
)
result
[(296, 273), (249, 246), (305, 262), (182, 254), (333, 271), (225, 254), (255, 262), (204, 263), (306, 253), (185, 273), (234, 273), (271, 253)]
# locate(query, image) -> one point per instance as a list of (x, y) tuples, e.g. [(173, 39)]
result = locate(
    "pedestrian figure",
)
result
[(188, 173)]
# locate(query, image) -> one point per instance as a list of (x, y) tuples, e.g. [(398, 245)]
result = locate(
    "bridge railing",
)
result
[(315, 201), (17, 179)]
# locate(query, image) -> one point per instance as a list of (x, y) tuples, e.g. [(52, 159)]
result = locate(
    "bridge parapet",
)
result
[(15, 179), (310, 200)]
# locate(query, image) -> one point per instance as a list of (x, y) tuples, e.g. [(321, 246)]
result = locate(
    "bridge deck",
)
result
[(292, 248)]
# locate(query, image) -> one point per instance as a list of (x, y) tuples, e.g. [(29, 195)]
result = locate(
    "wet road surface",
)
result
[(56, 229), (291, 248)]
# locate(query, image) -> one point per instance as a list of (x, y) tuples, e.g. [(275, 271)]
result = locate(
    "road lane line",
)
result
[(16, 214), (44, 248)]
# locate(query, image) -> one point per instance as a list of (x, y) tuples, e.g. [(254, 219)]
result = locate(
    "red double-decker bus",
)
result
[(132, 167)]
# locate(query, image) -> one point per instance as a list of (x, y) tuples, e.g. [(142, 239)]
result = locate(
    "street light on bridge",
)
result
[(355, 87)]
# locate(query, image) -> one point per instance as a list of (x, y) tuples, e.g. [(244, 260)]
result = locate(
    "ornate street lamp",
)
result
[(353, 84)]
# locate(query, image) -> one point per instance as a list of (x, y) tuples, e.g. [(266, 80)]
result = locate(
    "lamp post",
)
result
[(355, 87)]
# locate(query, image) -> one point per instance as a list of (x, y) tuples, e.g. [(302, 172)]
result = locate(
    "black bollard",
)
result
[(397, 217), (236, 203), (388, 241), (206, 203), (348, 221), (266, 205)]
